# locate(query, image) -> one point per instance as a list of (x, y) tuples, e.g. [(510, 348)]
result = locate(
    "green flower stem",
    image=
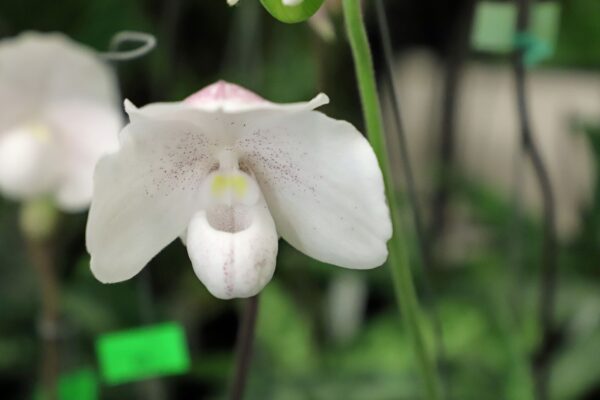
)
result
[(38, 223), (401, 273)]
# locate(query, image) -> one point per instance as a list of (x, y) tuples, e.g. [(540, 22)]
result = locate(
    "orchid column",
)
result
[(58, 116)]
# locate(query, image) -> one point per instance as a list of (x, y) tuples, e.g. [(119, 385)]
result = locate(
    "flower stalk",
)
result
[(38, 222), (398, 253), (245, 341)]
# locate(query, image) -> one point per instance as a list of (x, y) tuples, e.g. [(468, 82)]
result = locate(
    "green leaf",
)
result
[(292, 14), (575, 371), (284, 332)]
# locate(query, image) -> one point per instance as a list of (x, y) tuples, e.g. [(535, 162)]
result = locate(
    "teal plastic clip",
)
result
[(535, 49)]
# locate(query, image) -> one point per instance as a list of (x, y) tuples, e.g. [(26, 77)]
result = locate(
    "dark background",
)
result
[(488, 339)]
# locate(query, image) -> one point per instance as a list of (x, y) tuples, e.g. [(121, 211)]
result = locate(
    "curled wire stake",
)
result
[(147, 41)]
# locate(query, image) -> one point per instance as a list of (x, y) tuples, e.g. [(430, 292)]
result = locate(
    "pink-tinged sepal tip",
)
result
[(223, 91)]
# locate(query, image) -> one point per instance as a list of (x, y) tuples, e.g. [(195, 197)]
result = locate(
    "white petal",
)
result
[(222, 115), (225, 110), (29, 161), (171, 111), (216, 125), (323, 186), (233, 250), (145, 195), (85, 132), (38, 69)]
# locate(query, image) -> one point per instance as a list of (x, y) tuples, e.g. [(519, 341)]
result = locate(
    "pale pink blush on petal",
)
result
[(223, 92)]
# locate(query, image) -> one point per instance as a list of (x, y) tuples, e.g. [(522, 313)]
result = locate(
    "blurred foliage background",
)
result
[(323, 332)]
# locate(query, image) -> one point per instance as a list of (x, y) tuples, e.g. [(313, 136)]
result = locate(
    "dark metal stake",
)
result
[(244, 346), (549, 264)]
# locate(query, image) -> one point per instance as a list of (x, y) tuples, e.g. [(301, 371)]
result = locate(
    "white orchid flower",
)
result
[(230, 172), (58, 115)]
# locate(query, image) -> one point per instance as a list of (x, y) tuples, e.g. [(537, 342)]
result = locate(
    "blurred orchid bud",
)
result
[(345, 307)]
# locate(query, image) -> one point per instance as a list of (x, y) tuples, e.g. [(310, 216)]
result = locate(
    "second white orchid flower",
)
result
[(59, 113), (229, 173)]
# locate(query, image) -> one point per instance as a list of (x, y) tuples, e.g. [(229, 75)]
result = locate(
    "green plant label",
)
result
[(546, 22), (494, 29), (77, 385), (143, 353)]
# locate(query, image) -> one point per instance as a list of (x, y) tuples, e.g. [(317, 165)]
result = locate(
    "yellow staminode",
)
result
[(224, 183), (39, 131)]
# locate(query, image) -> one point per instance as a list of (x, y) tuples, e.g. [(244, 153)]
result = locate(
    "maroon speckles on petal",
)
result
[(228, 271), (267, 156), (182, 164)]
